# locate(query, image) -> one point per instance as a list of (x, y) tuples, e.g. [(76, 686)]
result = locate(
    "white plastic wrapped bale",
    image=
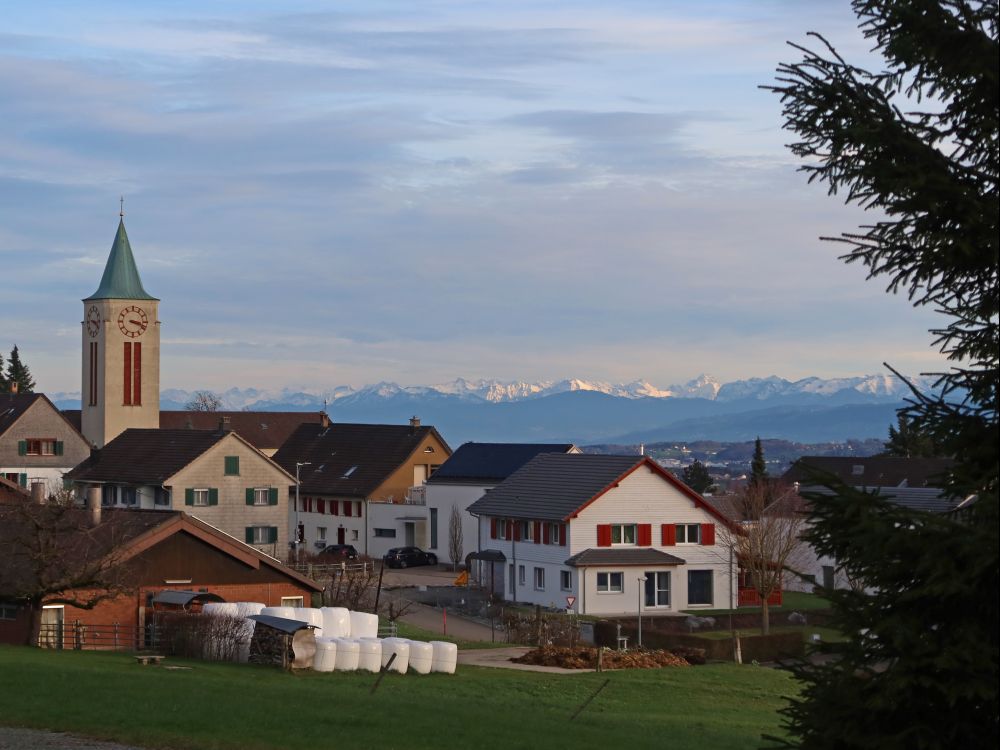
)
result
[(225, 609), (370, 654), (348, 653), (336, 622), (421, 657), (364, 625), (287, 612), (311, 616), (401, 648), (326, 655), (445, 657)]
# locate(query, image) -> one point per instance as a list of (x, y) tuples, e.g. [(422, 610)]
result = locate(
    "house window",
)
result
[(566, 580), (610, 583), (8, 611), (40, 447), (658, 589), (354, 535), (385, 533), (232, 466), (127, 496), (539, 579), (201, 497), (321, 533), (688, 533), (261, 496), (522, 576), (434, 527), (109, 493), (699, 587), (291, 601), (623, 533), (161, 496), (503, 528), (527, 530), (261, 534)]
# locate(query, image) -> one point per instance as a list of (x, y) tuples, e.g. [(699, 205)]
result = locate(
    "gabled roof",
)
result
[(351, 460), (622, 556), (871, 471), (14, 405), (490, 463), (262, 429), (145, 456), (928, 499), (557, 486), (121, 277)]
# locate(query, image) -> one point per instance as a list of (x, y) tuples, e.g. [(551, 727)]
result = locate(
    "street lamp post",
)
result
[(298, 465), (642, 582)]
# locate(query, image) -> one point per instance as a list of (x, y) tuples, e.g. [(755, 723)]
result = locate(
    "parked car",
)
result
[(405, 557), (340, 552)]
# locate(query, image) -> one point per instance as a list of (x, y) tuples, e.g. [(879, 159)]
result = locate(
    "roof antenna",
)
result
[(121, 206)]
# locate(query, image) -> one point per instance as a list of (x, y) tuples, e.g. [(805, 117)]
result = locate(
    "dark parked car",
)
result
[(405, 557), (340, 552)]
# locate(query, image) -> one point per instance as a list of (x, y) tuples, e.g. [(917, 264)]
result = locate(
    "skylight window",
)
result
[(349, 472)]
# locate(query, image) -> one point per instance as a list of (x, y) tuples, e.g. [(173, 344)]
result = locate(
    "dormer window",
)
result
[(429, 449), (623, 533)]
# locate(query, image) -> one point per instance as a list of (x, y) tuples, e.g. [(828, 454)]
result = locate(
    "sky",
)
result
[(328, 194)]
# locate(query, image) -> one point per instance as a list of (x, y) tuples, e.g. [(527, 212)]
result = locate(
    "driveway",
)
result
[(501, 658), (424, 575)]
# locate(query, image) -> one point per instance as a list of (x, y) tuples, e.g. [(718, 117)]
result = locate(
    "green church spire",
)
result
[(121, 277)]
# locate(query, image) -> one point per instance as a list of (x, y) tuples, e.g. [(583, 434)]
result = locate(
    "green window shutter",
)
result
[(272, 496), (249, 495), (23, 480), (59, 447), (213, 496), (67, 483), (272, 534), (249, 536), (232, 465), (189, 496), (22, 447)]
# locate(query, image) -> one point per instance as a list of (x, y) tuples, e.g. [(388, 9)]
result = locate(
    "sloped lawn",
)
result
[(241, 707)]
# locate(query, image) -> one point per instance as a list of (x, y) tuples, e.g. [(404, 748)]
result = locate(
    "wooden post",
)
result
[(600, 658), (378, 590), (383, 672), (587, 702)]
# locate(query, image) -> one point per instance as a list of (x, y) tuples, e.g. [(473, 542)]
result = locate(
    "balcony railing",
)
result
[(750, 598), (414, 496)]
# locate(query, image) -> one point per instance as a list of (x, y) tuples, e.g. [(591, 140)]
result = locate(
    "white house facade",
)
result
[(605, 535)]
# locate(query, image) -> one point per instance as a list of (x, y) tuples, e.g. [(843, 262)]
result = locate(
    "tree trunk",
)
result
[(34, 622), (765, 614)]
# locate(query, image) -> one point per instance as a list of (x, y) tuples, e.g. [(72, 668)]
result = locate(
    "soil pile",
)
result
[(586, 658)]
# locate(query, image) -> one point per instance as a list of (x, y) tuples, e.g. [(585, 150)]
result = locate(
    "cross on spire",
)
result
[(121, 206)]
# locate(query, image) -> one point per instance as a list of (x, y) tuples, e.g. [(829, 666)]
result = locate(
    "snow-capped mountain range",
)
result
[(866, 387)]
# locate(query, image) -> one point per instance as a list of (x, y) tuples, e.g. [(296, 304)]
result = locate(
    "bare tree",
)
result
[(54, 555), (455, 537), (204, 401), (766, 538)]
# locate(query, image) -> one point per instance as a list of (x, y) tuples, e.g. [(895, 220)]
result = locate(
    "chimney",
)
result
[(38, 492), (224, 425), (642, 449), (94, 504), (13, 388), (324, 419), (414, 422)]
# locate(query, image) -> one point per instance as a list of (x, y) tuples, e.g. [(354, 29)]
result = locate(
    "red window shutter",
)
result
[(334, 508), (645, 534), (347, 507), (668, 531), (604, 535), (127, 382), (321, 506), (708, 533), (517, 530), (537, 532), (493, 528), (562, 535)]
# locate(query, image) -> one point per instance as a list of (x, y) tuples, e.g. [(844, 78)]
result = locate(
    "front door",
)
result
[(51, 633), (409, 535), (341, 535)]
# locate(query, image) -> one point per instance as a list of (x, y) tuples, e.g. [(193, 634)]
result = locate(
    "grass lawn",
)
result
[(414, 633), (829, 635), (227, 706), (792, 601)]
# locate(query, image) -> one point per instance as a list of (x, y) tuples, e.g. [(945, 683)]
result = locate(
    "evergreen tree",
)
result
[(909, 441), (758, 466), (696, 477), (17, 372), (919, 666), (3, 380)]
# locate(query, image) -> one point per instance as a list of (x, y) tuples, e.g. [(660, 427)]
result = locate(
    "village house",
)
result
[(361, 484), (472, 470), (214, 475), (37, 442), (147, 556), (604, 535)]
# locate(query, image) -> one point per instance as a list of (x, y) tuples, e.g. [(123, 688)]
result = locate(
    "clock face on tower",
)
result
[(132, 321), (93, 321)]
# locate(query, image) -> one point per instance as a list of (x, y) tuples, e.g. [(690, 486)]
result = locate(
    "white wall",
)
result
[(444, 497)]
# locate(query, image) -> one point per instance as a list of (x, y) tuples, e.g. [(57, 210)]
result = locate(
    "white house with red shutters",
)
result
[(611, 534)]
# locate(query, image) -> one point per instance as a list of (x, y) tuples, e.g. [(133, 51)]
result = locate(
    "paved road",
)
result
[(12, 738), (501, 658), (431, 619)]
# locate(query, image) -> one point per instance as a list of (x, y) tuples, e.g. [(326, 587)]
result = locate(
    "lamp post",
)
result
[(642, 582), (298, 465)]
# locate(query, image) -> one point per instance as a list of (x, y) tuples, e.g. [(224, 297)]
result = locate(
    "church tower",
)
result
[(121, 350)]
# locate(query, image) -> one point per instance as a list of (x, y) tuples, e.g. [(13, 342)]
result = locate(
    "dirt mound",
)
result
[(586, 658)]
